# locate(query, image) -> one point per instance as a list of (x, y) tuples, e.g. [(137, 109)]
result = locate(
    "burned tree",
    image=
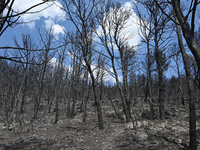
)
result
[(112, 20), (81, 14)]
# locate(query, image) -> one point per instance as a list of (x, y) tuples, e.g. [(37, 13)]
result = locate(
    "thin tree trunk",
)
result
[(159, 68), (126, 110), (149, 83), (40, 86), (51, 96), (56, 112), (101, 88), (86, 96), (15, 103), (125, 86), (85, 105), (180, 88), (97, 103), (73, 103), (24, 91), (2, 2)]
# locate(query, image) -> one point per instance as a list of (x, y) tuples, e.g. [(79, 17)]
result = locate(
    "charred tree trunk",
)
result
[(86, 96), (190, 84), (149, 82), (188, 32), (97, 102), (158, 58), (126, 110), (24, 90), (40, 85)]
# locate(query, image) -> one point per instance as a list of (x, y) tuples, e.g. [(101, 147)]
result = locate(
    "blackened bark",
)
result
[(56, 109), (97, 102), (125, 85), (190, 84), (40, 85), (187, 31), (24, 91), (158, 57), (124, 104), (149, 82)]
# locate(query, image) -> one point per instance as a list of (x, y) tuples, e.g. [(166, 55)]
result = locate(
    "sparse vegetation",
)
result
[(89, 88)]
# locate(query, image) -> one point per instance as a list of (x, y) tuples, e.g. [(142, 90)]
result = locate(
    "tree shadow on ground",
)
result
[(22, 145)]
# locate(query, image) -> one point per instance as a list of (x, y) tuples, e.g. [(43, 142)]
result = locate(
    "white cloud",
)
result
[(57, 29), (54, 12), (53, 62), (130, 27)]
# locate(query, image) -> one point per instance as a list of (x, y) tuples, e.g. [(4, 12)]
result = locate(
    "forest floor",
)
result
[(73, 134)]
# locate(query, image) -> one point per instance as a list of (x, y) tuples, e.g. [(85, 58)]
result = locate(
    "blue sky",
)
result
[(51, 17)]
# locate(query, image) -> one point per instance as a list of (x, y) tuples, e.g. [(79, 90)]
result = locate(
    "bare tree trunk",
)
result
[(68, 108), (188, 32), (24, 90), (160, 86), (125, 85), (69, 99), (23, 96), (190, 84), (97, 102), (40, 85), (56, 107), (81, 18), (158, 58), (87, 50), (57, 101), (149, 82), (2, 2), (180, 87), (16, 102), (101, 88), (51, 95), (126, 110), (161, 95), (60, 82), (74, 98), (85, 100), (86, 96)]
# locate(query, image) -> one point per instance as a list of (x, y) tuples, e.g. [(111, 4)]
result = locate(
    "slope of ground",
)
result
[(73, 134)]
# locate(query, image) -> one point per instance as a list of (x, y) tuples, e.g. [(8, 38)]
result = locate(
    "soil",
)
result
[(74, 134)]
